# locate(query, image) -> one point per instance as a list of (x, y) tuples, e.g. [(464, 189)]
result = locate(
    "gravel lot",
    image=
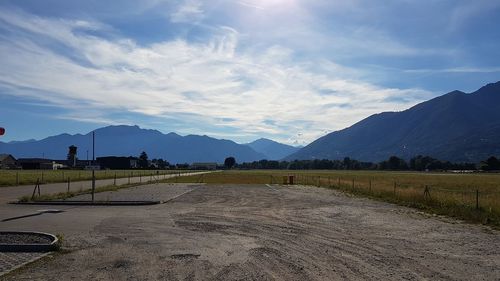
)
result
[(259, 232)]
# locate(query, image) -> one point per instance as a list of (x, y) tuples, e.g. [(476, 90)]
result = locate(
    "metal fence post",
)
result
[(477, 199), (69, 182)]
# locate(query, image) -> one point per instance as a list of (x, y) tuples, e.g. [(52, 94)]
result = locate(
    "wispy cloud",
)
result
[(188, 12), (466, 11), (211, 85), (456, 70)]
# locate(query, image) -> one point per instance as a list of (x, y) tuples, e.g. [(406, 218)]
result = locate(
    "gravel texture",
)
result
[(258, 232), (25, 238)]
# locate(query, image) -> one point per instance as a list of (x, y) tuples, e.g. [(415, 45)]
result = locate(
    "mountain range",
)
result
[(457, 127), (271, 149), (132, 140)]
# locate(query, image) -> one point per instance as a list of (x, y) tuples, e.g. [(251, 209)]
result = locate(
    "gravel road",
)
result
[(259, 232)]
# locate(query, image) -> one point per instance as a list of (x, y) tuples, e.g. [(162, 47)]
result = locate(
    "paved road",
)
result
[(257, 232), (12, 193)]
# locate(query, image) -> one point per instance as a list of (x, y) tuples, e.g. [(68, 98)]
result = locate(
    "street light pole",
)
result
[(93, 170)]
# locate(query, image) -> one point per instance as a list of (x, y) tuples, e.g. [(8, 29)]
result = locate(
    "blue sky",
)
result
[(289, 70)]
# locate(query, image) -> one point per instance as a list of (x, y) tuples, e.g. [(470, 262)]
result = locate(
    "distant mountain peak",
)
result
[(490, 89), (272, 149), (449, 127), (125, 140)]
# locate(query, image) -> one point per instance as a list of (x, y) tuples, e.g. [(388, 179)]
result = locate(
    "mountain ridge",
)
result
[(273, 150), (428, 128), (124, 140)]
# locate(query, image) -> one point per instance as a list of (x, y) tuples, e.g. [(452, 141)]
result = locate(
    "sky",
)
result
[(288, 70)]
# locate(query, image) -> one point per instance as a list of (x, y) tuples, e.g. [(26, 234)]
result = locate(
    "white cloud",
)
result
[(209, 84), (190, 11)]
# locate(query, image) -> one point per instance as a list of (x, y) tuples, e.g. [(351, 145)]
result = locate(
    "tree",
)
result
[(72, 156), (490, 164), (143, 160), (229, 162), (160, 163)]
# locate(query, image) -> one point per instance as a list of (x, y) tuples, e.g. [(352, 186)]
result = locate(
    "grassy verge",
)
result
[(471, 197), (66, 195), (23, 177)]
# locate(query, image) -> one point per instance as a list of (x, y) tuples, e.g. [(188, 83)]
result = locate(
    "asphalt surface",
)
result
[(255, 232), (13, 193)]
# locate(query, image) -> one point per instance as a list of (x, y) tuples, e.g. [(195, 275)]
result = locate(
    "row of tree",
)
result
[(418, 163)]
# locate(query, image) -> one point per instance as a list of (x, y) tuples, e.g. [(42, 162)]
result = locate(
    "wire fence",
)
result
[(466, 202), (20, 177)]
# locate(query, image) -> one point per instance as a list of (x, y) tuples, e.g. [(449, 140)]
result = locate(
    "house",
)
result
[(204, 166), (117, 163), (36, 163), (7, 161)]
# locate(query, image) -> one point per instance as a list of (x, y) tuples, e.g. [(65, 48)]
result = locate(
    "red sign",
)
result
[(2, 131)]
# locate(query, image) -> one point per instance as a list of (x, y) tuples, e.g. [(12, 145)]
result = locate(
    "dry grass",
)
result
[(21, 177), (448, 194)]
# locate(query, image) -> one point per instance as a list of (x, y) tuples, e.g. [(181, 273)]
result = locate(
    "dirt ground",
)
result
[(257, 232)]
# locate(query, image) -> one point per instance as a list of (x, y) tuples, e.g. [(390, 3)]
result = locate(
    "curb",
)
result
[(29, 247), (90, 203)]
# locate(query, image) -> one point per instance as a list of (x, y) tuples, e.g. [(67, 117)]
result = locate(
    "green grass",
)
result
[(449, 194), (23, 177), (66, 195)]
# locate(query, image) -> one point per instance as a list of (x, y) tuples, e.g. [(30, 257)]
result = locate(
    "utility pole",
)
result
[(93, 168)]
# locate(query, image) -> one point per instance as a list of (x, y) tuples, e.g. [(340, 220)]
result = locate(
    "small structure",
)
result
[(204, 166), (7, 161), (117, 163), (35, 163), (93, 167)]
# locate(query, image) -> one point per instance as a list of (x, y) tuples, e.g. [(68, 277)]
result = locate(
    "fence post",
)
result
[(319, 181), (339, 183), (352, 184), (394, 188), (17, 178), (140, 177), (69, 182), (427, 193), (62, 175), (477, 199), (34, 190), (114, 180), (370, 186), (128, 178)]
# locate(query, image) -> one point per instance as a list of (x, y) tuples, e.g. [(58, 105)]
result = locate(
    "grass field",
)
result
[(20, 177), (472, 197)]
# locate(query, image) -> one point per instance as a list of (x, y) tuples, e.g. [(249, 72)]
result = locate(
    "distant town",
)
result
[(8, 161)]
